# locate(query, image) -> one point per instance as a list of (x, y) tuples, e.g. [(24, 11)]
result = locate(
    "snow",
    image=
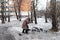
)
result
[(15, 28), (25, 13), (41, 24)]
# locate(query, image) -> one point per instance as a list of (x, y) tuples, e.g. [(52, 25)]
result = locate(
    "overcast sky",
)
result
[(41, 4)]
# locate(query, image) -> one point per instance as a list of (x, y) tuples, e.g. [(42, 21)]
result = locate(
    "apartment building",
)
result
[(25, 6)]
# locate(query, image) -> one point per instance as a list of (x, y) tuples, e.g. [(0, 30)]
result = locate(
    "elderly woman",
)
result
[(25, 25)]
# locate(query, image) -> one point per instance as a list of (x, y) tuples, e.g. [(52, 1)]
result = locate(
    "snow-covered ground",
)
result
[(15, 27)]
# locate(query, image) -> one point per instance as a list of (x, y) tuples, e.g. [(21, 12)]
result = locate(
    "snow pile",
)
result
[(41, 24), (17, 29)]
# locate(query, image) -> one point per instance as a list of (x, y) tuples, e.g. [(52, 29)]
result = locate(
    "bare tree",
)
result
[(46, 17), (19, 6), (8, 17), (31, 17), (5, 12), (2, 10), (15, 9), (34, 13), (5, 17), (8, 13), (53, 13), (46, 13)]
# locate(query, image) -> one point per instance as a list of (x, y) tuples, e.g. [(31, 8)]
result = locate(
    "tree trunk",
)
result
[(45, 17), (31, 17), (32, 11), (28, 14), (2, 11), (16, 14), (5, 17), (8, 17), (5, 12), (53, 12), (46, 12), (15, 10), (19, 6), (19, 14), (34, 14), (8, 14)]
